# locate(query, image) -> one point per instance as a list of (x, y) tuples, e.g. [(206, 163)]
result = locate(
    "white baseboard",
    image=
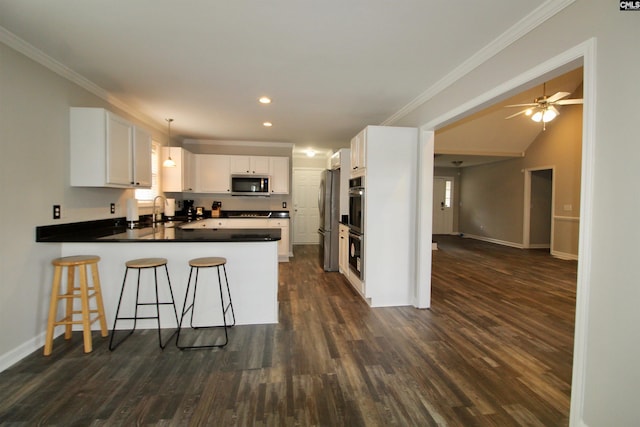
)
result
[(496, 241), (564, 255), (17, 354), (539, 246)]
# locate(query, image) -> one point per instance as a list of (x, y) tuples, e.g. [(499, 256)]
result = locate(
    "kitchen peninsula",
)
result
[(252, 264)]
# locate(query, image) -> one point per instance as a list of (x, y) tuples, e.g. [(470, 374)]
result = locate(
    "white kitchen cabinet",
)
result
[(142, 147), (181, 177), (283, 243), (252, 165), (279, 172), (389, 241), (212, 174), (343, 250), (359, 154), (107, 150), (249, 223)]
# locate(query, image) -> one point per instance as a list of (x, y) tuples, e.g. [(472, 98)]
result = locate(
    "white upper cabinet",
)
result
[(142, 147), (108, 151), (359, 154), (279, 172), (181, 177), (258, 165), (212, 173)]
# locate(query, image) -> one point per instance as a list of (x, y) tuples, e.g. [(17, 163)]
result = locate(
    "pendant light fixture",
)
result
[(169, 163)]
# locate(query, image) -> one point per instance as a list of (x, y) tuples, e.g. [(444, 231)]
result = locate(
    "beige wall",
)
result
[(492, 195), (34, 163), (491, 201)]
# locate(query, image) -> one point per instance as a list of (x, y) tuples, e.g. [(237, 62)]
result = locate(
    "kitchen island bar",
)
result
[(252, 267)]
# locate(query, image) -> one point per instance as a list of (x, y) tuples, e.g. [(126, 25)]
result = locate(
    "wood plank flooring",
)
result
[(495, 349)]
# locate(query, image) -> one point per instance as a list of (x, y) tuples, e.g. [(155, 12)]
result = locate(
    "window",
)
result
[(148, 194), (447, 194)]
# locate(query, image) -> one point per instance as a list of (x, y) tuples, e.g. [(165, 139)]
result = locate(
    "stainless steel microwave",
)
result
[(250, 185)]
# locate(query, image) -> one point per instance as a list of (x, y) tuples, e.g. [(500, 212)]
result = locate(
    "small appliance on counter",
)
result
[(187, 206), (170, 209), (132, 212), (199, 212), (215, 209)]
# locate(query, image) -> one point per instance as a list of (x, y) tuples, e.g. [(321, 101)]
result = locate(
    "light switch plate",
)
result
[(56, 211)]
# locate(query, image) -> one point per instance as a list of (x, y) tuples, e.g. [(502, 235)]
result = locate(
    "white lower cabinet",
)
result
[(283, 244), (281, 223), (343, 250)]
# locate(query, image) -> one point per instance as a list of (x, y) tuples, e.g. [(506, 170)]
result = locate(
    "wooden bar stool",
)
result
[(141, 264), (197, 264), (84, 292)]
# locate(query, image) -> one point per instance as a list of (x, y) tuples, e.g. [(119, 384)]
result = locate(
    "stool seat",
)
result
[(207, 262), (68, 261), (146, 262), (84, 291)]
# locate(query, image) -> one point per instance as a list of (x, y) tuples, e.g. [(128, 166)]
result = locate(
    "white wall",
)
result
[(612, 349)]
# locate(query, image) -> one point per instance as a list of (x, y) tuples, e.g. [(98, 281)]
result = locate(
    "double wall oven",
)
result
[(356, 226)]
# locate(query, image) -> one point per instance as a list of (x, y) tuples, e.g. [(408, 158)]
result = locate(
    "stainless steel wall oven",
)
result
[(356, 205)]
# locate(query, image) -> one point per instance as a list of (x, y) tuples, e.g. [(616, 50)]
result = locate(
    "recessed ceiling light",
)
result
[(267, 124), (310, 152), (264, 100)]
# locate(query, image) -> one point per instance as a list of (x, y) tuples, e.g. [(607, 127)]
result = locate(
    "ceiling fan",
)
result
[(543, 109)]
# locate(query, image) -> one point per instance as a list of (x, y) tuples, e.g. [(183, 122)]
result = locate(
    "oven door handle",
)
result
[(355, 236)]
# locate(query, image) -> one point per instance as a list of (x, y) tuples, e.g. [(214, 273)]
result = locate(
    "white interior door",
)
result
[(306, 184), (442, 205)]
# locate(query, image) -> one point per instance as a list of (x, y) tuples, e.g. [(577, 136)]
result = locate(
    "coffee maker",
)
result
[(187, 207)]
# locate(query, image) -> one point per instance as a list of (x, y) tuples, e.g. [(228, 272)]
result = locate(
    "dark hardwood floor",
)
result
[(495, 349)]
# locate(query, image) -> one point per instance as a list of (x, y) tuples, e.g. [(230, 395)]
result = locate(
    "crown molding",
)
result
[(35, 54), (514, 33), (220, 142)]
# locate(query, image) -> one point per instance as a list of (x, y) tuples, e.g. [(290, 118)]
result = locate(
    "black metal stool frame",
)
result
[(135, 317), (186, 308)]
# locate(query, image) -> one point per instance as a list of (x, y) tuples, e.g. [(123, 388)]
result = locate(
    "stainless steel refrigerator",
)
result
[(329, 205)]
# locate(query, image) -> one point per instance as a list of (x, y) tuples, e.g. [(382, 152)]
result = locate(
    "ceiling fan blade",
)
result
[(533, 104), (557, 96), (568, 102), (517, 114)]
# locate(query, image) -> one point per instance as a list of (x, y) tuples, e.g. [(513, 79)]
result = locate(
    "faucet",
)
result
[(153, 212)]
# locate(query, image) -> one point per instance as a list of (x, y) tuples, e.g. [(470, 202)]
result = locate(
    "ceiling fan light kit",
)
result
[(543, 109)]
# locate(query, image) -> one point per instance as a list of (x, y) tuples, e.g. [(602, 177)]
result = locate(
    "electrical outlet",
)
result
[(113, 208), (284, 205), (56, 211)]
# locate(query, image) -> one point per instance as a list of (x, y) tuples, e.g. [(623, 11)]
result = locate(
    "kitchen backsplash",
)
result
[(238, 203)]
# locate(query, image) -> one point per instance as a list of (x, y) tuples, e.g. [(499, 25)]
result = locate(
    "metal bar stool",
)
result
[(81, 292), (197, 264), (140, 264)]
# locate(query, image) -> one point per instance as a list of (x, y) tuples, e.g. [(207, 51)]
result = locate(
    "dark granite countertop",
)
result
[(117, 231)]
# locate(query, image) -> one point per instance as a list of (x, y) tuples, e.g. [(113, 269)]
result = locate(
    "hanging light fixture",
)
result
[(169, 163)]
